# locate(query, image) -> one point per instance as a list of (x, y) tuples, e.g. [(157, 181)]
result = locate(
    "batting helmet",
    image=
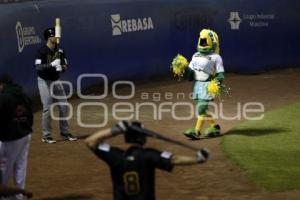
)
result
[(49, 32), (132, 136)]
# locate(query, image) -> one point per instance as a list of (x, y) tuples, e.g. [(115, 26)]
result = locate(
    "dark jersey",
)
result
[(133, 170), (43, 59), (15, 114)]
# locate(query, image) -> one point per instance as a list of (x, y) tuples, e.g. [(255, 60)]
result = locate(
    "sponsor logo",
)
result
[(26, 36), (234, 20), (258, 20), (190, 21), (122, 26)]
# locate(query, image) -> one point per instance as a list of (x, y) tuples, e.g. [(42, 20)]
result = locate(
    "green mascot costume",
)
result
[(207, 71)]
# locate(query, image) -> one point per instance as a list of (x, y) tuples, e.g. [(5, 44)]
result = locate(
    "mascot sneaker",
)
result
[(191, 133), (213, 131)]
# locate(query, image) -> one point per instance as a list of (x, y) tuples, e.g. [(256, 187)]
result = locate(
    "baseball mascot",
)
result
[(207, 71)]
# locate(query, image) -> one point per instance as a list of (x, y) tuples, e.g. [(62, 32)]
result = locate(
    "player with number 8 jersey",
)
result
[(133, 169)]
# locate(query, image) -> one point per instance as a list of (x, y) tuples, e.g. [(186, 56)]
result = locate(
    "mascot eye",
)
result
[(203, 42)]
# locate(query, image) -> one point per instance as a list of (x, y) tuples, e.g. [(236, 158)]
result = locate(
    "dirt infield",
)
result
[(67, 170)]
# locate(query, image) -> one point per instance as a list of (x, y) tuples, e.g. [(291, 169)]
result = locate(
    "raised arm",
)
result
[(99, 136), (200, 157)]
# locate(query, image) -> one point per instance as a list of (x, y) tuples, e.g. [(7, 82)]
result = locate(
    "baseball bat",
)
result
[(57, 30), (162, 137)]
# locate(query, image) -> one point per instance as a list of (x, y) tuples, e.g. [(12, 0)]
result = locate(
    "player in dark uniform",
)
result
[(15, 133), (50, 63), (133, 170)]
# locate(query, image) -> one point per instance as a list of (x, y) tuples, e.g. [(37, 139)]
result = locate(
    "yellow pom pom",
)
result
[(214, 88), (179, 64)]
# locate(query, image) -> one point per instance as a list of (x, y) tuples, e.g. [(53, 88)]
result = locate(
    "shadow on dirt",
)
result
[(257, 131)]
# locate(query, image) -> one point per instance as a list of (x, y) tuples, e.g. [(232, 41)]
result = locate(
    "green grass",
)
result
[(268, 150)]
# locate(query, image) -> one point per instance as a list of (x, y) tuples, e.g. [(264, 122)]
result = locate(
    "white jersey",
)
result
[(207, 65)]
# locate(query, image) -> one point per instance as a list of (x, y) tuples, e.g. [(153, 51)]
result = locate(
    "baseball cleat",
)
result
[(48, 140), (69, 137)]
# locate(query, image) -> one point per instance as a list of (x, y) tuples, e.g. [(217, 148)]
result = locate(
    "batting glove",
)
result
[(58, 68), (202, 155), (55, 62)]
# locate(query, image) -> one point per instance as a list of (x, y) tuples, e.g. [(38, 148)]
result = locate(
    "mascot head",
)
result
[(208, 42)]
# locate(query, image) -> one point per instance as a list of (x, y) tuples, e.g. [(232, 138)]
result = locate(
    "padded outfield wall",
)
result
[(138, 38)]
